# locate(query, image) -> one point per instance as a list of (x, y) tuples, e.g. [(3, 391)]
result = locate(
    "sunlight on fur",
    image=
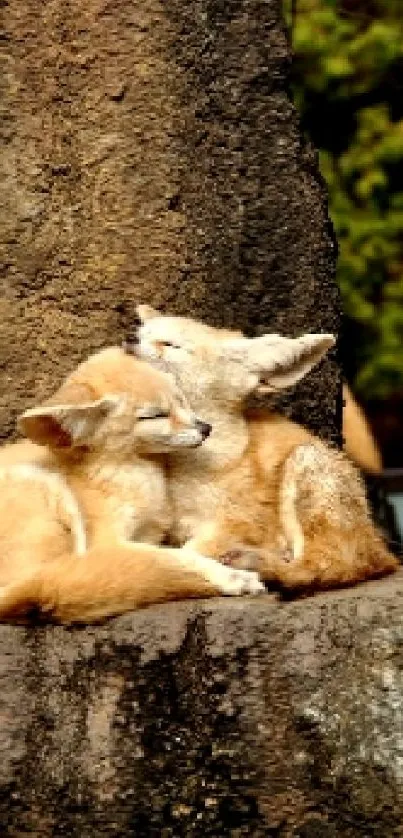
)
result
[(82, 494), (262, 493)]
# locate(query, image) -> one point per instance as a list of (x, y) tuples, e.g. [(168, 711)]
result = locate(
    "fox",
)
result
[(84, 500), (263, 493), (359, 442)]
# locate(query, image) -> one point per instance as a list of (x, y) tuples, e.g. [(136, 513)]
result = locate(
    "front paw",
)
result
[(225, 580), (240, 582)]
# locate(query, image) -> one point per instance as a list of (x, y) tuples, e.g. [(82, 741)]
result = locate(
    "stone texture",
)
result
[(150, 152), (226, 717)]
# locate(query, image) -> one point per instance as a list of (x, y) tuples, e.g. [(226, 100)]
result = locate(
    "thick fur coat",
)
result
[(80, 497), (262, 492)]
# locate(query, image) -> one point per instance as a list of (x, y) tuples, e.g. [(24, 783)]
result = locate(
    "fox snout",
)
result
[(204, 428), (131, 343)]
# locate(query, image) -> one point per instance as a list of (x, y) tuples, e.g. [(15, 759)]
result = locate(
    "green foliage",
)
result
[(348, 84)]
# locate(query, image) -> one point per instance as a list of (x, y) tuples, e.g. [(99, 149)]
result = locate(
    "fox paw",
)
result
[(227, 581), (240, 582)]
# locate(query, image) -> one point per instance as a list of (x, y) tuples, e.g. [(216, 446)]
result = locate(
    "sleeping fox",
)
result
[(262, 492), (86, 489)]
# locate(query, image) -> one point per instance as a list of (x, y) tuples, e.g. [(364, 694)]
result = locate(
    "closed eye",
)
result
[(169, 343), (152, 414)]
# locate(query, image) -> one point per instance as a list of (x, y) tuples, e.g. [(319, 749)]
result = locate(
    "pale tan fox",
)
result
[(359, 442), (71, 500), (262, 492)]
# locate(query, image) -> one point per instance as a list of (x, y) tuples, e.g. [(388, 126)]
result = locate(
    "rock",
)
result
[(222, 717), (151, 153)]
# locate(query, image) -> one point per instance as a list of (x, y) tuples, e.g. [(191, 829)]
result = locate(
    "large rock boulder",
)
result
[(150, 152), (226, 717)]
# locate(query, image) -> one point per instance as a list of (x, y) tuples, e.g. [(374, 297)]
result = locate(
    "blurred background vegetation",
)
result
[(348, 87)]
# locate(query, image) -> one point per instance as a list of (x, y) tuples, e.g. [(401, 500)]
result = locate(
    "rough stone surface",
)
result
[(226, 717), (150, 152)]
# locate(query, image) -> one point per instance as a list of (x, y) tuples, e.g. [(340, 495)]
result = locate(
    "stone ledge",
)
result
[(221, 717)]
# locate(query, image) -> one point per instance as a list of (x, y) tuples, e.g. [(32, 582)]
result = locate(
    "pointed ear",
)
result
[(145, 312), (65, 423), (284, 361), (280, 362)]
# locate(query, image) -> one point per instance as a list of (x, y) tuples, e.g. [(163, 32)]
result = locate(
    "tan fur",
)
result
[(359, 442), (70, 506), (262, 492)]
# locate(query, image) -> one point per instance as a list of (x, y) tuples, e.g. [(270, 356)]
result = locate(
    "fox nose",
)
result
[(204, 428), (131, 343)]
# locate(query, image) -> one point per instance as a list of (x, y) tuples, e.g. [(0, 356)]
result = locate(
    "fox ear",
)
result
[(66, 421), (279, 362), (145, 312)]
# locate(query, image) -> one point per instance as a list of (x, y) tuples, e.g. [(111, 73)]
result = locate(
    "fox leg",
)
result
[(291, 529), (209, 541), (111, 580), (328, 534), (216, 540)]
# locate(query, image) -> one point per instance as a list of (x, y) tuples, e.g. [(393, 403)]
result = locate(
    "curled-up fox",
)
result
[(262, 492), (84, 502)]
